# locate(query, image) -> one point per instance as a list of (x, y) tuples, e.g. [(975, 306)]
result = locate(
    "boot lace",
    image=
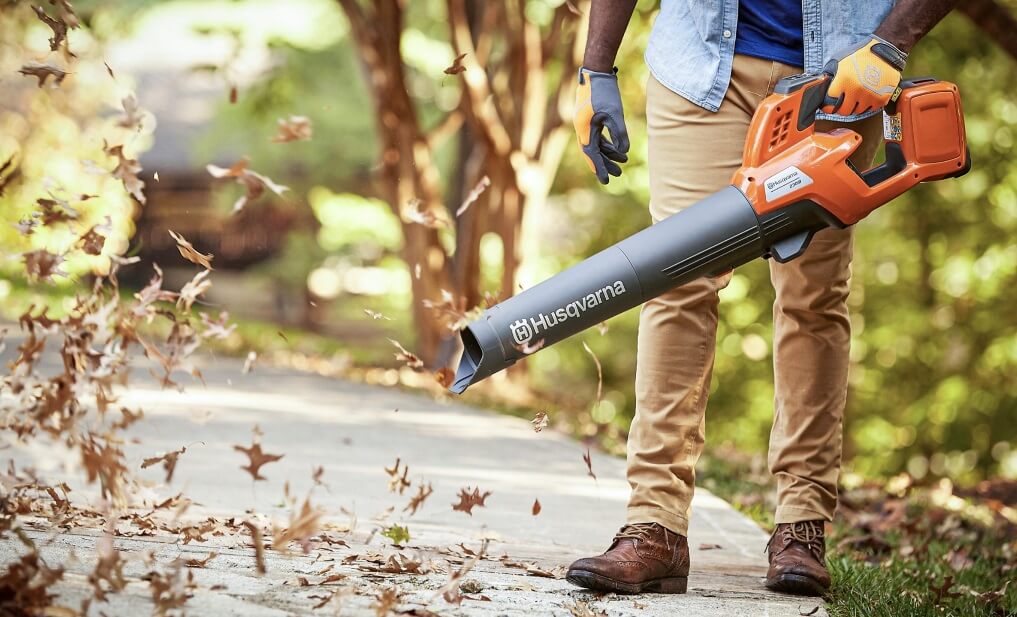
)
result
[(642, 532), (809, 533)]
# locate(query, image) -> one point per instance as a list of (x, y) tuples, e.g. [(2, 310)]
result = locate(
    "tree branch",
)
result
[(475, 82), (995, 20)]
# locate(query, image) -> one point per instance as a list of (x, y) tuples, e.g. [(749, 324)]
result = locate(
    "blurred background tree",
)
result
[(934, 329)]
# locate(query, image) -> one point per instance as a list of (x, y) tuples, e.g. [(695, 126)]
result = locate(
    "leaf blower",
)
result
[(794, 181)]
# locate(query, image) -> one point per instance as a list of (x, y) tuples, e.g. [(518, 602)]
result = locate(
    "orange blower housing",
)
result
[(787, 161)]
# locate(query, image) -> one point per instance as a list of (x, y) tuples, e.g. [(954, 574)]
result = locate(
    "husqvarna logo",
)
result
[(521, 332)]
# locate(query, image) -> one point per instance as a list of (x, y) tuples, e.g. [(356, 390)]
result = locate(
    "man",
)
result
[(711, 64)]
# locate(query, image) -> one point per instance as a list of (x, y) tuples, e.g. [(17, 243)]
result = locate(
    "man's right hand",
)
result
[(599, 106)]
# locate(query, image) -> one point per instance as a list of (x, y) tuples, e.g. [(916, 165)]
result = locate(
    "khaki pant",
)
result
[(693, 153)]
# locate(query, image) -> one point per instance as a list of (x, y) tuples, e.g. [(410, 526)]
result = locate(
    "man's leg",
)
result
[(692, 154), (812, 337)]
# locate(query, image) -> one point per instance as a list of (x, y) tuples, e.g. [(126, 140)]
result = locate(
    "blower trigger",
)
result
[(787, 249)]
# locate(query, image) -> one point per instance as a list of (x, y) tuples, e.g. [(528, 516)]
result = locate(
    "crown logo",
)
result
[(521, 332)]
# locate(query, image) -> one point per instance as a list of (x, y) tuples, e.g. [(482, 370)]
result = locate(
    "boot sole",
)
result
[(597, 582), (796, 584)]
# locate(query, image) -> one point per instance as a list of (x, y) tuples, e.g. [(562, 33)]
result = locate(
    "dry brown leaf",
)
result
[(385, 601), (582, 608), (91, 242), (168, 460), (470, 499), (133, 114), (473, 195), (302, 526), (127, 171), (398, 483), (450, 590), (527, 348), (256, 459), (194, 562), (444, 376), (58, 26), (536, 507), (294, 128), (457, 66), (259, 545), (539, 421), (188, 252), (195, 287), (589, 464), (43, 72), (709, 547), (406, 356), (254, 183), (416, 211), (423, 492), (42, 265)]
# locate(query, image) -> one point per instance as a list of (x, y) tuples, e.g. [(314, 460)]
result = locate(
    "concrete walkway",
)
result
[(355, 431)]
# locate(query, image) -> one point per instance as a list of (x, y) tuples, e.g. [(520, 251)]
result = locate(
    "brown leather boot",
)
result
[(797, 554), (642, 557)]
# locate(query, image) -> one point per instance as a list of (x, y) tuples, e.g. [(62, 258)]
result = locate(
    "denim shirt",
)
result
[(692, 43)]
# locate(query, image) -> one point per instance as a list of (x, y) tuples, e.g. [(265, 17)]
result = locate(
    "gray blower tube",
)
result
[(708, 238)]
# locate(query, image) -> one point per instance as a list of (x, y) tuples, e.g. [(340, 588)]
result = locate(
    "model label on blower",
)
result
[(787, 181), (523, 330)]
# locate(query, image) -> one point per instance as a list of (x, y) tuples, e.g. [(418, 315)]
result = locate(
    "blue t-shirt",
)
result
[(771, 29)]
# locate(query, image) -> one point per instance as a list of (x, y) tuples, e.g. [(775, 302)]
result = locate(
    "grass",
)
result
[(890, 554)]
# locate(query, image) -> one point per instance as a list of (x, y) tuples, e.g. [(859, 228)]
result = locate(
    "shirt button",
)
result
[(727, 34)]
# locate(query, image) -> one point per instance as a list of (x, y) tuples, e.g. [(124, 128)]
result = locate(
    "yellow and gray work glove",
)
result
[(864, 77), (599, 106)]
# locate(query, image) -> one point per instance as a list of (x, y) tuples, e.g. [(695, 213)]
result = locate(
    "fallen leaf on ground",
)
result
[(457, 66), (709, 547), (536, 507), (294, 128), (581, 608), (397, 533), (256, 459), (385, 601), (473, 195), (188, 252), (450, 590), (194, 562), (470, 499)]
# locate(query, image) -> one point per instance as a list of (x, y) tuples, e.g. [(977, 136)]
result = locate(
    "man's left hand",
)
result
[(864, 77)]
